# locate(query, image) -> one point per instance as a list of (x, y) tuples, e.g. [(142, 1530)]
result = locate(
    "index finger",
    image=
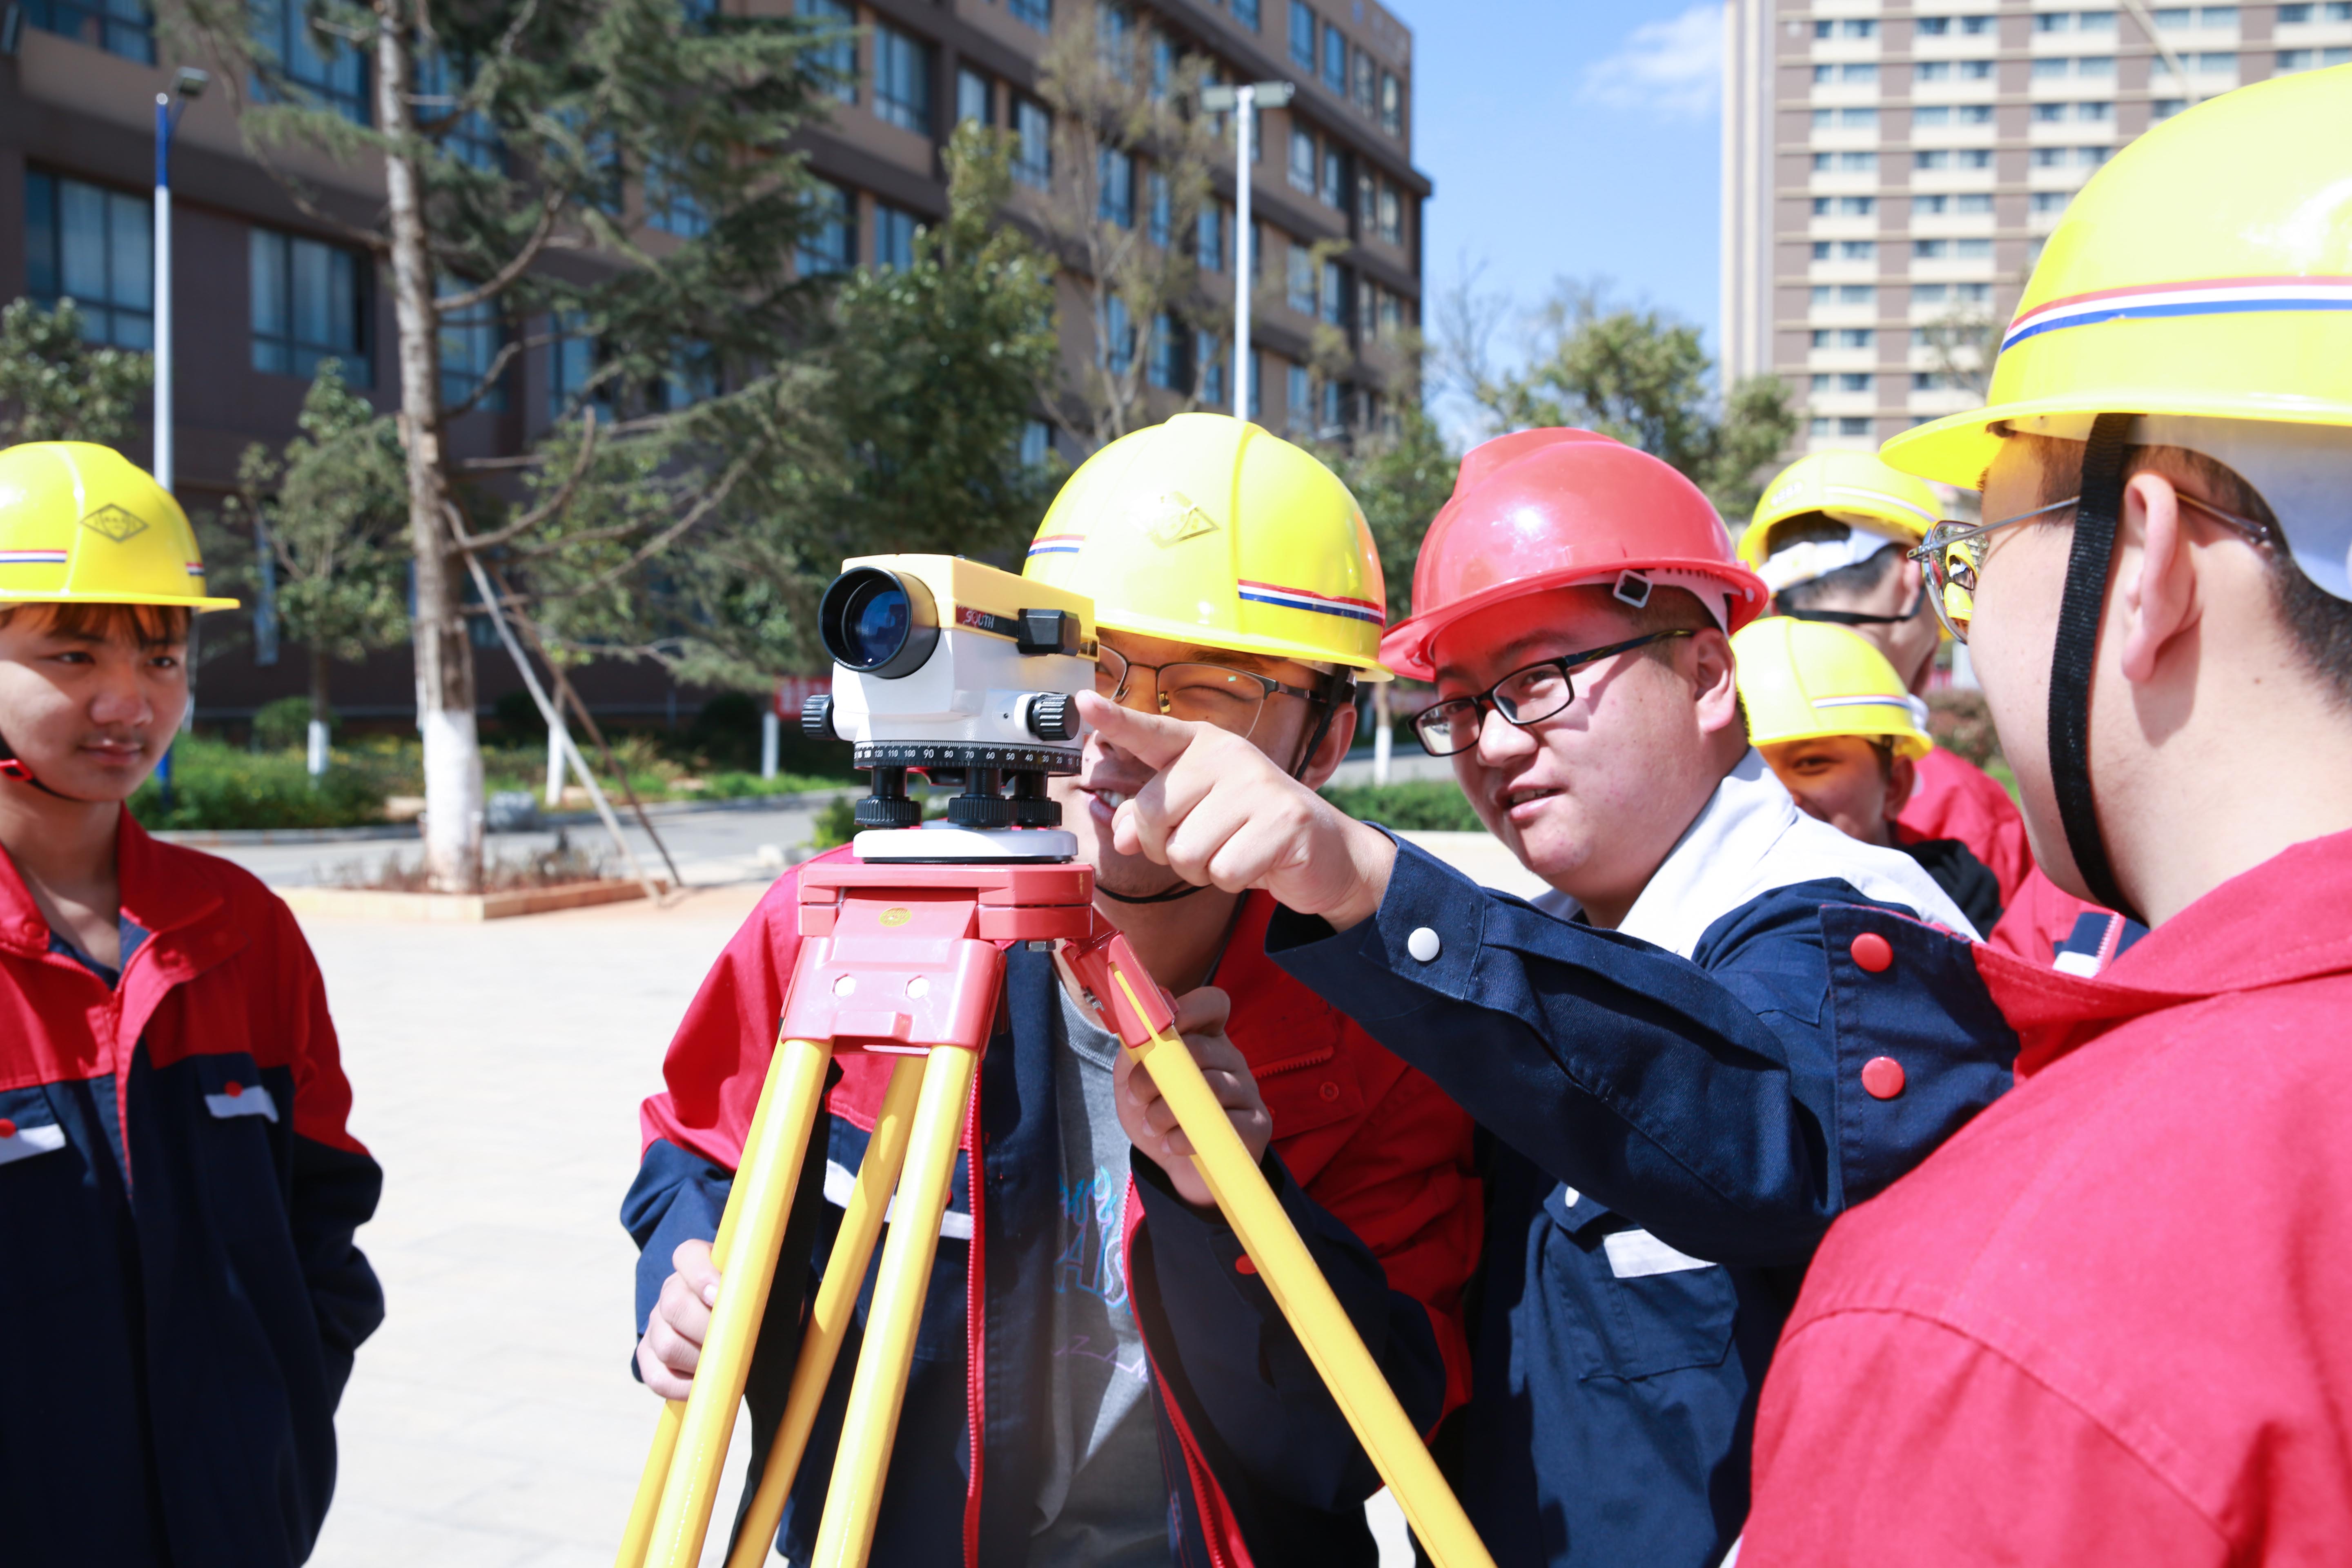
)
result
[(1204, 1011), (1153, 739)]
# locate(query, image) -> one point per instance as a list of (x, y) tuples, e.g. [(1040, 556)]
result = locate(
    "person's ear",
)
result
[(1332, 750), (1714, 679), (2156, 576), (1902, 778)]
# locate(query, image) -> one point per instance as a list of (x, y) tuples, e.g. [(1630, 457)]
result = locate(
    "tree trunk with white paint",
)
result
[(445, 659)]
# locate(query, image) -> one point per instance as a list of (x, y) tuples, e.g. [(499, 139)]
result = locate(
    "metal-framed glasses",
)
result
[(1526, 695), (1201, 693), (1953, 552)]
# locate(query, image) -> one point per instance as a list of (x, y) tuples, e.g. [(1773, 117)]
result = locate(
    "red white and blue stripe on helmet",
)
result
[(2214, 297), (195, 568), (1320, 604), (32, 557), (1057, 544)]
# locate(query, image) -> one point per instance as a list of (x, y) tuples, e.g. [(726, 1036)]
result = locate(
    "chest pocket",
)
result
[(1305, 1081), (29, 1128), (1638, 1307)]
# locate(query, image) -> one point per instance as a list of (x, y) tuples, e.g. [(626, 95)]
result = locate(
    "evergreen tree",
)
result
[(54, 387)]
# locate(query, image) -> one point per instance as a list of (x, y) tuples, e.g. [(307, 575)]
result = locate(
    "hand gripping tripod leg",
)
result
[(907, 959)]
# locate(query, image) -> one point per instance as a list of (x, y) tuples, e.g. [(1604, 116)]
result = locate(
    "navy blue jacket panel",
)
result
[(1677, 1133), (178, 1200)]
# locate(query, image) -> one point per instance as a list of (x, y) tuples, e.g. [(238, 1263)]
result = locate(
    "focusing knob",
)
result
[(816, 718), (980, 811), (876, 812), (1054, 716)]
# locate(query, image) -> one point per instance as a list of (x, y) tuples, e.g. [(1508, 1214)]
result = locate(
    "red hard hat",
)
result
[(1563, 509)]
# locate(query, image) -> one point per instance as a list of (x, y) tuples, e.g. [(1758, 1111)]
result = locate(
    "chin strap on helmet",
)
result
[(12, 766), (1855, 617), (2073, 660)]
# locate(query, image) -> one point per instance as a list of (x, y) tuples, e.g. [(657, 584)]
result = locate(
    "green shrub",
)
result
[(220, 786), (284, 724), (836, 825), (1420, 805), (746, 786), (519, 719)]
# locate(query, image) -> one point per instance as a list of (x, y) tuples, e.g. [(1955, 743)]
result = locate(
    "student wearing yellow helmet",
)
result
[(1235, 583), (162, 1021), (2103, 1322), (1829, 538), (1836, 727)]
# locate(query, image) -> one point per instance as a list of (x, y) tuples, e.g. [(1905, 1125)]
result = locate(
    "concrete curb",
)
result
[(207, 837), (437, 908)]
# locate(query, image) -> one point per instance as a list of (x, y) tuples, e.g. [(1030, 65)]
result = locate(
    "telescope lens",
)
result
[(873, 623)]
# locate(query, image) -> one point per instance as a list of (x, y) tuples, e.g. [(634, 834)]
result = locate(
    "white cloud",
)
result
[(1672, 69)]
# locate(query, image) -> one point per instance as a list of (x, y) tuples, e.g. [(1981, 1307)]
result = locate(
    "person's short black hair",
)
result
[(147, 625), (1851, 581), (2317, 622)]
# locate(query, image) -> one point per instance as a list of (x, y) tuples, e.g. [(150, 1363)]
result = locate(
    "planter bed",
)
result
[(369, 903)]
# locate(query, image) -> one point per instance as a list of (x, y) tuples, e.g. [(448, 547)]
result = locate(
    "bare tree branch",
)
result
[(551, 507)]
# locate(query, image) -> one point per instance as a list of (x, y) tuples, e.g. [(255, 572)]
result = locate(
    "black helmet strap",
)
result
[(2073, 660)]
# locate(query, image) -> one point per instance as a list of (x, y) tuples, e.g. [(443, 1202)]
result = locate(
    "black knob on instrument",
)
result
[(1054, 716), (816, 718)]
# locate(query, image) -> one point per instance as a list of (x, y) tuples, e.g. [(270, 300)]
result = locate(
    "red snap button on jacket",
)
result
[(1330, 1091), (1243, 1265), (1882, 1076), (231, 1088), (7, 1128), (1873, 952)]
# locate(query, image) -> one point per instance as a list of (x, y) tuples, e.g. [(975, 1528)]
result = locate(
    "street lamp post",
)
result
[(189, 84), (1242, 104)]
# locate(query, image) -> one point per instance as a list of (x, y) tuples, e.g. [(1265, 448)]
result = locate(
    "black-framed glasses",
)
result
[(1953, 552), (1202, 693), (1526, 695)]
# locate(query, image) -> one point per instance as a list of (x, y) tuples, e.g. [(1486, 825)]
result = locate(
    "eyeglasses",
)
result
[(1953, 553), (1201, 693), (1525, 697)]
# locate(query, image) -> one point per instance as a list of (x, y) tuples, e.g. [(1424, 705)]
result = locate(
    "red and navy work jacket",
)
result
[(177, 1200), (1373, 1164)]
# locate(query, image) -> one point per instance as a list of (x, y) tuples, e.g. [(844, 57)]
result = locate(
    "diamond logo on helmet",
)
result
[(1174, 517), (115, 524)]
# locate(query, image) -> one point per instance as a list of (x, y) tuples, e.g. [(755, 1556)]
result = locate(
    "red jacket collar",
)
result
[(2285, 920), (156, 896)]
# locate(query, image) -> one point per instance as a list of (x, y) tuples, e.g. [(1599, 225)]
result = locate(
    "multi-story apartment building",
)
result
[(263, 290), (1890, 169)]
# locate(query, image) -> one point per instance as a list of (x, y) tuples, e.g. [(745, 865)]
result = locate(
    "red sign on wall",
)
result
[(793, 690)]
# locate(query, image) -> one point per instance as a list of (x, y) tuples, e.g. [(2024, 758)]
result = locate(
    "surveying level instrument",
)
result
[(941, 664)]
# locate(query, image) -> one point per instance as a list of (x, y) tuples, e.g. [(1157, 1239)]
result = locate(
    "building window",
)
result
[(1115, 40), (1854, 381), (894, 236), (1302, 161), (1115, 174), (1335, 294), (1165, 367), (571, 365), (1032, 144), (1976, 70), (1391, 215), (1976, 23), (670, 206), (1861, 29), (902, 80), (1118, 336), (2043, 68), (1209, 369), (2307, 60), (1978, 202), (1302, 35), (1036, 443), (2052, 201), (1931, 249), (470, 340), (831, 245), (1855, 337), (1972, 250), (1930, 26), (1822, 250), (469, 138), (1818, 428), (97, 247), (1931, 160), (693, 377), (1299, 400), (124, 27), (1857, 206), (1391, 104), (1037, 14), (1245, 13), (1335, 61), (339, 81), (1368, 83), (1928, 206), (1857, 250), (1851, 426), (1301, 281), (1925, 116), (1932, 70), (1257, 384), (310, 303), (2043, 113), (972, 96), (1857, 162), (2104, 65), (1335, 178), (836, 58), (1209, 237)]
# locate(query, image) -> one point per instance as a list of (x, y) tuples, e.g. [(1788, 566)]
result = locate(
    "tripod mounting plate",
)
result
[(944, 843)]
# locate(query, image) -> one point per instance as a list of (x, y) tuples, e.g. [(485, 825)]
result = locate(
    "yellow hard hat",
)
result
[(1856, 488), (81, 523), (1800, 680), (1211, 530), (2206, 272)]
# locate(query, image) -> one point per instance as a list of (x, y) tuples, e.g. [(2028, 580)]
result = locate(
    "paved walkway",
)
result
[(497, 1068)]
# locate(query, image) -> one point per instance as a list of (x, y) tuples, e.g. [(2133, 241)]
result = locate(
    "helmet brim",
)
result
[(1959, 449), (1407, 646), (1239, 641), (201, 604)]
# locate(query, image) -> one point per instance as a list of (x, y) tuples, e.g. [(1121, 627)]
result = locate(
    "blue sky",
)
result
[(1570, 138)]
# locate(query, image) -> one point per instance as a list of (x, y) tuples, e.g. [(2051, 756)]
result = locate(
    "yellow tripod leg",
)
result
[(769, 1170), (640, 1528), (836, 1300), (854, 1499), (1305, 1297)]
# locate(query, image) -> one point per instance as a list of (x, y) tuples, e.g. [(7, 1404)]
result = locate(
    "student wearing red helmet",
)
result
[(1726, 1023)]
